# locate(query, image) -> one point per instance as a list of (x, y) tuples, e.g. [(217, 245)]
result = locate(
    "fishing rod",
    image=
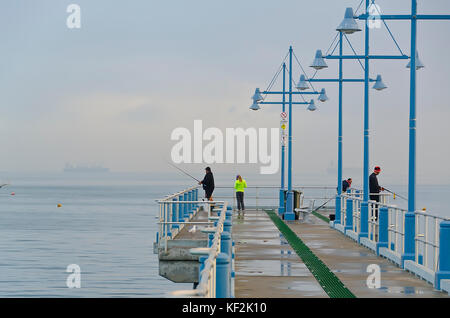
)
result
[(183, 171), (322, 205), (395, 194)]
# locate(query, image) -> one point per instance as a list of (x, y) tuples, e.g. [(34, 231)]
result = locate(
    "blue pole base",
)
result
[(281, 210), (440, 275), (360, 235), (337, 211), (289, 216), (407, 257), (379, 245)]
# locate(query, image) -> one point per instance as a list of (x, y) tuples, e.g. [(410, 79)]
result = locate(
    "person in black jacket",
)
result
[(208, 183), (374, 187), (346, 184)]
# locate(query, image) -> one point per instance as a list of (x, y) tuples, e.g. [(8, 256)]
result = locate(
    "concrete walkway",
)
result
[(266, 266)]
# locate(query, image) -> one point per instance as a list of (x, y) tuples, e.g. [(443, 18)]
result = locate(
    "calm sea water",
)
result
[(107, 228)]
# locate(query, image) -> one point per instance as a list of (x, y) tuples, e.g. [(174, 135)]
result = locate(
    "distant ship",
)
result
[(84, 169)]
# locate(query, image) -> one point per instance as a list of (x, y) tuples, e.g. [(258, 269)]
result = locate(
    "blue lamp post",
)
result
[(288, 208), (350, 26), (414, 65), (319, 63)]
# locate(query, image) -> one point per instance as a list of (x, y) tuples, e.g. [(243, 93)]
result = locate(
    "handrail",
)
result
[(207, 277), (386, 229)]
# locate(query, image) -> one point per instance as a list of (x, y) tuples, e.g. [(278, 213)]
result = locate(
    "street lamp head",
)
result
[(419, 63), (257, 97), (319, 63), (255, 105), (379, 85), (312, 106), (349, 24), (302, 84), (323, 95)]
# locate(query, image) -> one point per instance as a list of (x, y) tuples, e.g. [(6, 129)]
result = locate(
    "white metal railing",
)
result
[(207, 277), (427, 231), (267, 196), (427, 240)]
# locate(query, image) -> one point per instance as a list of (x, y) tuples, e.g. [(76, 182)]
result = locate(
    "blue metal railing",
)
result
[(216, 271), (386, 235)]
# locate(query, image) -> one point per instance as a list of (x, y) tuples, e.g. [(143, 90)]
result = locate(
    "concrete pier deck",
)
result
[(266, 265)]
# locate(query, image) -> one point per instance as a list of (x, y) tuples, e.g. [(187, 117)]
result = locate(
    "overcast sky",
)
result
[(113, 91)]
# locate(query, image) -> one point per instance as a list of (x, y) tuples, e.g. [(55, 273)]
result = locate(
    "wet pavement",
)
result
[(266, 265), (349, 262)]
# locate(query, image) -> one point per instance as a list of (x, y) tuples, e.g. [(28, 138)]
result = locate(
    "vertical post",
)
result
[(281, 207), (222, 274), (444, 255), (289, 214), (364, 205), (180, 209), (410, 224), (185, 207), (175, 214), (383, 225), (349, 216), (339, 185)]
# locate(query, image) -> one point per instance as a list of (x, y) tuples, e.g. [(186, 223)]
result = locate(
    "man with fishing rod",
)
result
[(208, 183), (375, 188)]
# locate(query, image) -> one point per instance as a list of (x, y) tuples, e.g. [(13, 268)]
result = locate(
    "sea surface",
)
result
[(107, 227)]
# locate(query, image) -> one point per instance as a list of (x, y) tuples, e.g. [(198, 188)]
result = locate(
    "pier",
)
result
[(268, 257)]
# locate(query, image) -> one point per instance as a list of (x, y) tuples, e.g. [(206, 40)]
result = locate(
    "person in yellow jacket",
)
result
[(240, 186)]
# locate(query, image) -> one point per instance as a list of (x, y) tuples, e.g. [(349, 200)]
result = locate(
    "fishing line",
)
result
[(183, 171)]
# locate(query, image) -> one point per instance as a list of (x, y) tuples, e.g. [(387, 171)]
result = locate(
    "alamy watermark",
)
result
[(231, 148), (374, 279), (74, 279), (374, 19), (74, 19)]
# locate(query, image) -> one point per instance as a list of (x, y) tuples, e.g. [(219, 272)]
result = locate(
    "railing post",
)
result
[(222, 276), (190, 204), (185, 206), (444, 254), (210, 239), (201, 260), (227, 225), (349, 216), (383, 224), (175, 214), (281, 208), (337, 216), (180, 209), (364, 220), (409, 251), (225, 247)]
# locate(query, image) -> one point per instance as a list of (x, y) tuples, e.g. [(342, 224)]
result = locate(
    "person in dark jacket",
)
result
[(208, 183), (374, 187), (346, 184)]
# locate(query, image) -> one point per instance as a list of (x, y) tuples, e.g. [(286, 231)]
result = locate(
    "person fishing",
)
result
[(346, 184), (374, 188), (240, 186), (208, 184)]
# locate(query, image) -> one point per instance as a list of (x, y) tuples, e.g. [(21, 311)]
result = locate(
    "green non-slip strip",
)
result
[(320, 216), (329, 282)]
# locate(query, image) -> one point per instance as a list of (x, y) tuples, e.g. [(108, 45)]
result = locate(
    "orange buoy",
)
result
[(59, 205)]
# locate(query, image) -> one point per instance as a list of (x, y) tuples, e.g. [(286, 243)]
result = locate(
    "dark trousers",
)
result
[(375, 198), (240, 200)]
